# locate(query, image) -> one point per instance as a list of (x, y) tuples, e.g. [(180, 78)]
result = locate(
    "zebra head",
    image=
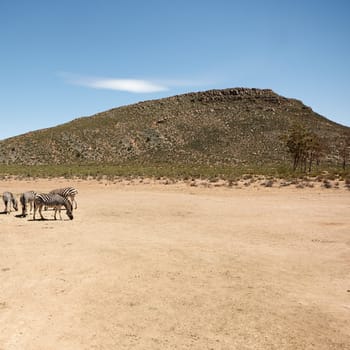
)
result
[(70, 215), (69, 208)]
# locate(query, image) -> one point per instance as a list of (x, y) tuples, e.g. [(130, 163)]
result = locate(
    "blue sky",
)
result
[(65, 59)]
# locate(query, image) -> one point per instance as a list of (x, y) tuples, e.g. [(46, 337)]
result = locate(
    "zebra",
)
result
[(9, 199), (25, 199), (52, 200), (68, 193)]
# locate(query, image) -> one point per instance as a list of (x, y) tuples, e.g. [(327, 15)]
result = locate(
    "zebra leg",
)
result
[(58, 209), (24, 210), (14, 204), (8, 207), (40, 209), (35, 209)]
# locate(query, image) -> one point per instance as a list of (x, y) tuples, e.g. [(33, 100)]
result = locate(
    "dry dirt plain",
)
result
[(178, 267)]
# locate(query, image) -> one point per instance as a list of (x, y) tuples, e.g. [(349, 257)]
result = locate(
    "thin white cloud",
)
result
[(133, 85), (129, 85)]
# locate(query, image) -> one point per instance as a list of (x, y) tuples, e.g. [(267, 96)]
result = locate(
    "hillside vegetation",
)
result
[(230, 127)]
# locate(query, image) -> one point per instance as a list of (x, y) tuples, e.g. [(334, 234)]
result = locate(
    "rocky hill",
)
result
[(230, 126)]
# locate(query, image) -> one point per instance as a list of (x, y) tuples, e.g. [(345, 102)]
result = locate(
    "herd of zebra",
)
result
[(56, 199)]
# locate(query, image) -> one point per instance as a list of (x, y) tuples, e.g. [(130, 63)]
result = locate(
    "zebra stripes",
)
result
[(52, 200), (9, 199), (67, 192), (25, 199)]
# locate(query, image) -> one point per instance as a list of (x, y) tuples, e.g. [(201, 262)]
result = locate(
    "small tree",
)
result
[(344, 149), (295, 142), (314, 149), (305, 147)]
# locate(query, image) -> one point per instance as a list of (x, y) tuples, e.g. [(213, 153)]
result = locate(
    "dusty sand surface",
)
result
[(178, 267)]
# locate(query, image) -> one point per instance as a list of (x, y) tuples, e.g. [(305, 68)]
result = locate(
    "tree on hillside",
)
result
[(314, 150), (305, 147), (344, 149)]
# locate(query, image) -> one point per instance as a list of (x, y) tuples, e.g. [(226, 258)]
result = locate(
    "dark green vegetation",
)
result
[(213, 133)]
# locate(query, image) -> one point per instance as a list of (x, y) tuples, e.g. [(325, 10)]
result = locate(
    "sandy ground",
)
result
[(178, 267)]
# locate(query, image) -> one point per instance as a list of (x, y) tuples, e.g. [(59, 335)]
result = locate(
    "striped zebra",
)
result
[(67, 192), (25, 199), (52, 200), (9, 199)]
